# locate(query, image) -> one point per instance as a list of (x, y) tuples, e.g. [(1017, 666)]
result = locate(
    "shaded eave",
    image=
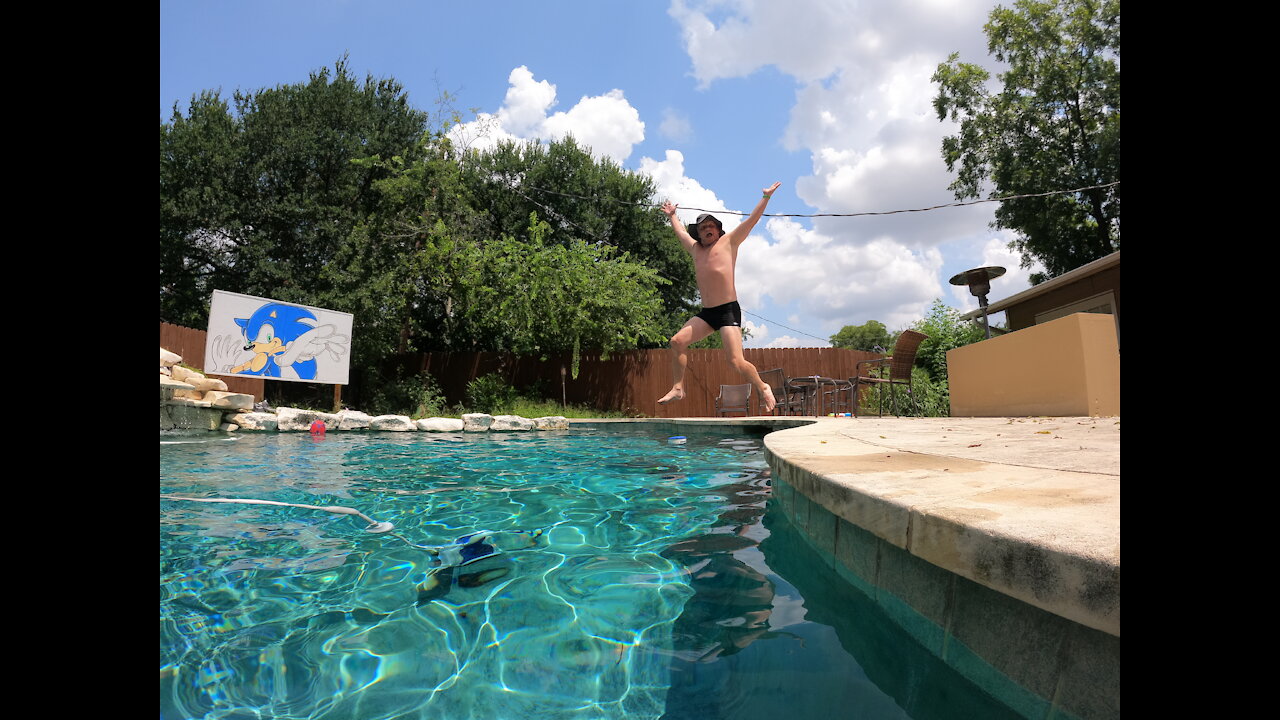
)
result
[(1066, 278)]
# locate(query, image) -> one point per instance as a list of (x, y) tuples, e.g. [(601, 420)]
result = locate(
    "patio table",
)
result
[(812, 386)]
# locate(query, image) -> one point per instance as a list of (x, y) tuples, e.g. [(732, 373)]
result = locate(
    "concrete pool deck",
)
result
[(1029, 507)]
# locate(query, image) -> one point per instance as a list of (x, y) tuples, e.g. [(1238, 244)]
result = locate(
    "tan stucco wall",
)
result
[(1065, 367)]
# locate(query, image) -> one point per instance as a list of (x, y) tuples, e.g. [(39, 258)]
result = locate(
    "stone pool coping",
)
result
[(1029, 507)]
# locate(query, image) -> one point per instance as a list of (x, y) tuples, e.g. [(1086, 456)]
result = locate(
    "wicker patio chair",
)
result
[(893, 371), (733, 398), (789, 399)]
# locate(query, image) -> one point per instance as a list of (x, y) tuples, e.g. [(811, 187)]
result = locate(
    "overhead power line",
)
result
[(858, 214), (825, 340)]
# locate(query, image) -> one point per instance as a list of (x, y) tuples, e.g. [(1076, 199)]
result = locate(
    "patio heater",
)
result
[(979, 282)]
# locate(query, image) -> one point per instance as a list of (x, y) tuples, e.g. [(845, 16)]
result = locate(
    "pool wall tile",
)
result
[(1037, 663), (822, 529), (997, 684), (856, 556), (1089, 681), (803, 503), (922, 590), (781, 494), (1022, 641)]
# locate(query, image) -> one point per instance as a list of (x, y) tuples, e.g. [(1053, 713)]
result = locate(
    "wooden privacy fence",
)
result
[(189, 343), (630, 382)]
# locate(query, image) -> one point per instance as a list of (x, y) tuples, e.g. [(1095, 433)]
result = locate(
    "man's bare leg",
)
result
[(693, 331), (732, 338)]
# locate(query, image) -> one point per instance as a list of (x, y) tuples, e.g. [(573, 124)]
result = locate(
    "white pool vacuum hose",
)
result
[(374, 525)]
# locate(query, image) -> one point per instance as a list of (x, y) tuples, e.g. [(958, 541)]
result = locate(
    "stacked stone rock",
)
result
[(191, 401)]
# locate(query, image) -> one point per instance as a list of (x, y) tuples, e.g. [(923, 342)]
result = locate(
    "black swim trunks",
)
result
[(722, 315)]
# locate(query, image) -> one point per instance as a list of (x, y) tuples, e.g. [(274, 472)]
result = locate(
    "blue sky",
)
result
[(715, 99)]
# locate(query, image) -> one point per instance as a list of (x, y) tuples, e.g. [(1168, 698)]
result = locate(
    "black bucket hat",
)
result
[(693, 229)]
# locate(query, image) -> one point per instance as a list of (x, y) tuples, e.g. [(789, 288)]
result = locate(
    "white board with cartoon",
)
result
[(276, 340)]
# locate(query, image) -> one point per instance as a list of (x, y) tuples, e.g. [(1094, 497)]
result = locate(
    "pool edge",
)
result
[(1019, 542)]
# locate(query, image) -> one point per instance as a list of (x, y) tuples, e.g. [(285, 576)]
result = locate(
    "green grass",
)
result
[(532, 408)]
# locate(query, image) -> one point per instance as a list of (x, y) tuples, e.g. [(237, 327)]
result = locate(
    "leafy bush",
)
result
[(930, 394), (491, 394), (946, 331), (928, 398), (414, 395)]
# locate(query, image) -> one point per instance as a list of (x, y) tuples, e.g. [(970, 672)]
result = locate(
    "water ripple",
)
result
[(281, 612)]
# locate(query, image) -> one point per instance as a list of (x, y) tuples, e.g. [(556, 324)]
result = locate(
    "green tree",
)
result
[(946, 331), (863, 337), (1053, 125), (586, 198), (535, 288), (538, 297), (930, 391), (261, 198), (406, 267), (199, 208), (339, 194)]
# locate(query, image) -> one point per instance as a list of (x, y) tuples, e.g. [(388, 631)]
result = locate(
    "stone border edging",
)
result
[(921, 503)]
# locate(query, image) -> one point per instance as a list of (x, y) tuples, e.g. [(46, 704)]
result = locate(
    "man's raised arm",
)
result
[(740, 233), (681, 233)]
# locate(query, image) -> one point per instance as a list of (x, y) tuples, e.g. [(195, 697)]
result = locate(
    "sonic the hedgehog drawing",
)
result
[(285, 338)]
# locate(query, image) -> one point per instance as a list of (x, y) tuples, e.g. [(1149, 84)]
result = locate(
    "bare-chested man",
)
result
[(715, 256)]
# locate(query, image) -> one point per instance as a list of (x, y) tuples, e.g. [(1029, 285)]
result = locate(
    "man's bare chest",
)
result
[(718, 256)]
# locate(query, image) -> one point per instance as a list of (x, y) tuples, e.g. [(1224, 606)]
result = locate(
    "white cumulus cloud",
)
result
[(759, 333), (606, 123), (863, 111), (786, 341), (671, 183), (675, 126), (836, 282)]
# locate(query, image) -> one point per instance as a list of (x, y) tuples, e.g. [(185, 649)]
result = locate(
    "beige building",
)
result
[(1060, 357), (1091, 288)]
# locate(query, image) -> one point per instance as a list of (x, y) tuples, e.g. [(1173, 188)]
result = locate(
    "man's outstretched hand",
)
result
[(768, 192), (669, 208)]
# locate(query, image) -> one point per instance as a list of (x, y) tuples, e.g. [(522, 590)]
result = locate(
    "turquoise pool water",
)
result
[(619, 576)]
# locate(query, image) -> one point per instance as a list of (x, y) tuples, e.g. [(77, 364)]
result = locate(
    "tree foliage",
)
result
[(483, 282), (339, 194), (260, 198), (1054, 124), (585, 198), (946, 331), (537, 297), (863, 337)]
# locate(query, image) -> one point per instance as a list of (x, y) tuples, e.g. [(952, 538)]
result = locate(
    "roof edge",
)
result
[(1070, 276)]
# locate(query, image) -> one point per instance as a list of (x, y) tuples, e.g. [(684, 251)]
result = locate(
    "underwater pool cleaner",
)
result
[(373, 527)]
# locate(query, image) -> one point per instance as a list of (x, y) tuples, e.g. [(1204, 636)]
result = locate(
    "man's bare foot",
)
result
[(769, 402), (675, 394)]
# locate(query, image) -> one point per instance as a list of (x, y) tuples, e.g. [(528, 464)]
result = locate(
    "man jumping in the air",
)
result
[(715, 257)]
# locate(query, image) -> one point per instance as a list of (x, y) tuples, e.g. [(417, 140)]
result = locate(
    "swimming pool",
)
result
[(616, 575)]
